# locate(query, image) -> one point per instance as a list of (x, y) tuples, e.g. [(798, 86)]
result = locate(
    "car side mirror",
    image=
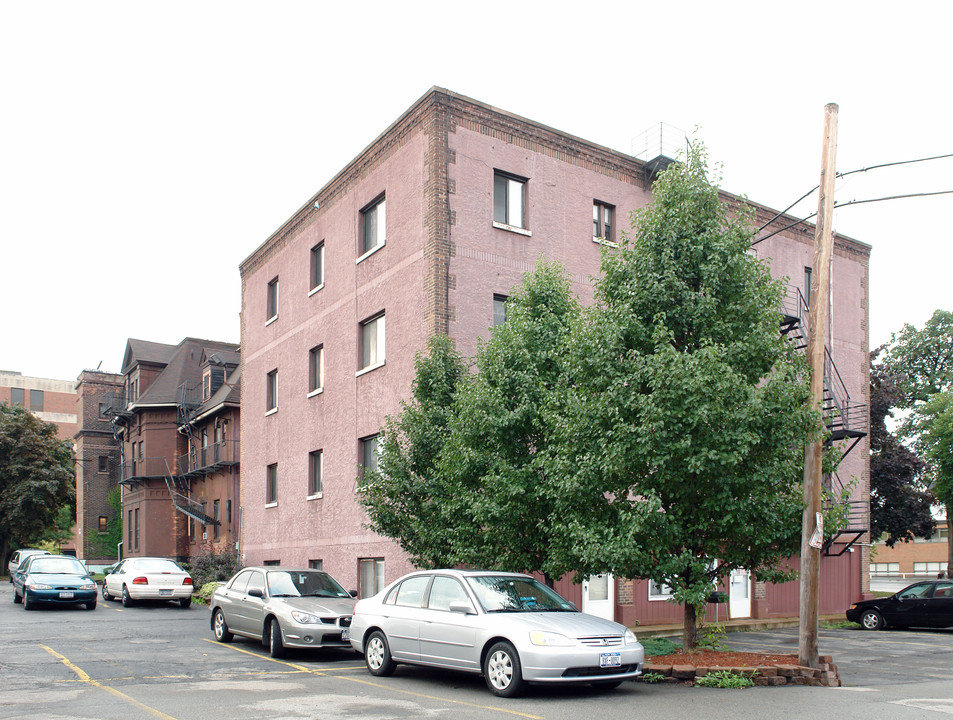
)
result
[(352, 593), (256, 592), (459, 606)]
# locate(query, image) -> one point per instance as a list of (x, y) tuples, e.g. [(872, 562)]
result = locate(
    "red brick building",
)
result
[(426, 231)]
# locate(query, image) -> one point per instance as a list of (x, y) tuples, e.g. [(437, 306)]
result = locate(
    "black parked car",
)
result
[(923, 604)]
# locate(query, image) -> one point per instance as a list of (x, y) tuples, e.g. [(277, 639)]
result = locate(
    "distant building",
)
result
[(427, 231), (177, 415), (50, 400), (922, 557)]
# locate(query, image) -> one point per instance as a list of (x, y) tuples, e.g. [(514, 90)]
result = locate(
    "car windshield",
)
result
[(157, 566), (505, 593), (57, 565), (300, 583)]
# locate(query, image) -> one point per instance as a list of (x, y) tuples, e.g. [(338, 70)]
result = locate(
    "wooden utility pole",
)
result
[(811, 529)]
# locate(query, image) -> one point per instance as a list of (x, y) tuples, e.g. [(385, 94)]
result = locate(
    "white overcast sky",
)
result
[(147, 148)]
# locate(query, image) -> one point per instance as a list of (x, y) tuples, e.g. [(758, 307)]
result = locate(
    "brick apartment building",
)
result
[(50, 400), (177, 415), (426, 231)]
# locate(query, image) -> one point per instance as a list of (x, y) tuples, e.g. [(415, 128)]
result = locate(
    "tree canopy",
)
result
[(36, 477)]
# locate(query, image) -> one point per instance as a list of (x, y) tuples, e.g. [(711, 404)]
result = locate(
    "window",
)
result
[(316, 369), (103, 463), (16, 396), (36, 400), (602, 222), (372, 343), (807, 286), (206, 384), (129, 525), (103, 523), (315, 473), (444, 591), (103, 410), (217, 515), (373, 226), (884, 568), (228, 511), (316, 564), (272, 301), (499, 309), (271, 392), (136, 521), (658, 591), (317, 266), (271, 484), (509, 200), (369, 454), (372, 576), (928, 568), (411, 591)]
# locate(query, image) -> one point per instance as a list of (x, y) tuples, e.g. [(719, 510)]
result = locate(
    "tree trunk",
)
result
[(690, 628)]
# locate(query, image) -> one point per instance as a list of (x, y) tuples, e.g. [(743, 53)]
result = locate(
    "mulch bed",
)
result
[(719, 658)]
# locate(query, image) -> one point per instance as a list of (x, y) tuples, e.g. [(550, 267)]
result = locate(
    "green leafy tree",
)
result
[(933, 425), (688, 411), (407, 499), (899, 502), (499, 453), (36, 477), (107, 543), (923, 358)]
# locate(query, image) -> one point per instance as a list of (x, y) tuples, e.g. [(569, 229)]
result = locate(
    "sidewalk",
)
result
[(739, 625)]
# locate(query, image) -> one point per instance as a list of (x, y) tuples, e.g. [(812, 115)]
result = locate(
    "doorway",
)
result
[(739, 594), (598, 596)]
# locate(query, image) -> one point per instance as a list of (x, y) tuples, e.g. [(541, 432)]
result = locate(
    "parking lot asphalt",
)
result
[(160, 661)]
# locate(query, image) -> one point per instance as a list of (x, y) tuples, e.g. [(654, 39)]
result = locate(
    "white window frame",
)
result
[(509, 201), (373, 331), (658, 592), (315, 493), (271, 301), (271, 485), (316, 259), (271, 392), (599, 211), (377, 209), (316, 352), (364, 445)]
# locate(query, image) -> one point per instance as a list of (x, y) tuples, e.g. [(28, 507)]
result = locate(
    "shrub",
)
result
[(659, 646), (724, 679), (214, 565)]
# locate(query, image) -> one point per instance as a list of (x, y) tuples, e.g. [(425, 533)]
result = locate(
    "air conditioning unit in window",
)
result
[(205, 536)]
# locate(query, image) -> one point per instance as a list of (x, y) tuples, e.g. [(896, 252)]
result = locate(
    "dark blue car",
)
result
[(53, 579)]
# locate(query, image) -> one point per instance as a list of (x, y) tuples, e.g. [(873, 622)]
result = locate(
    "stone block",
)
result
[(767, 671), (683, 672), (701, 671), (808, 672), (763, 681), (774, 681), (797, 680), (788, 670), (665, 670), (825, 659)]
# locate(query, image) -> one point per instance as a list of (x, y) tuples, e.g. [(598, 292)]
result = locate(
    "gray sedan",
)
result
[(283, 608), (507, 626)]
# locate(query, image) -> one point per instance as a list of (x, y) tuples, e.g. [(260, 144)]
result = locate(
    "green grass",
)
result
[(724, 679)]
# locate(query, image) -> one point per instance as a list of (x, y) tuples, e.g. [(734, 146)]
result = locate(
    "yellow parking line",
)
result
[(324, 673), (84, 677)]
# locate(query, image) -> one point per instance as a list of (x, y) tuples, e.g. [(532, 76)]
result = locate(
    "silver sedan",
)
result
[(282, 607), (510, 627)]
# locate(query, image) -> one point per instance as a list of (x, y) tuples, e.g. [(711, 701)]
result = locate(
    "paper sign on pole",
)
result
[(817, 538)]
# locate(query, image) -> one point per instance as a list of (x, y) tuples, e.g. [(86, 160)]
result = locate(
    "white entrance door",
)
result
[(739, 594), (598, 597)]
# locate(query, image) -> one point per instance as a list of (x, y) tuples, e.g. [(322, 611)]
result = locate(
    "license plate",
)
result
[(165, 593), (345, 634), (610, 659), (65, 595)]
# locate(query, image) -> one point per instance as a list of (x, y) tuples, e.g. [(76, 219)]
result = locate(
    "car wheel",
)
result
[(607, 684), (501, 668), (186, 601), (17, 599), (275, 647), (91, 605), (220, 627), (106, 596), (127, 600), (377, 655), (27, 603), (871, 620)]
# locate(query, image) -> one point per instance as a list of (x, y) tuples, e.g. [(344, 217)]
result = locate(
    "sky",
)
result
[(147, 148)]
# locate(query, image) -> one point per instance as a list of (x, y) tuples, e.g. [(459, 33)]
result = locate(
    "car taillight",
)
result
[(141, 580), (187, 581)]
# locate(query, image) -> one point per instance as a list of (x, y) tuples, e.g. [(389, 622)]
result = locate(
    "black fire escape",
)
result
[(846, 421)]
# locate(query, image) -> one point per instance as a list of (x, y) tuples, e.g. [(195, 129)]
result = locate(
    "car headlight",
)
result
[(304, 618), (550, 639), (629, 638), (89, 586), (39, 586)]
